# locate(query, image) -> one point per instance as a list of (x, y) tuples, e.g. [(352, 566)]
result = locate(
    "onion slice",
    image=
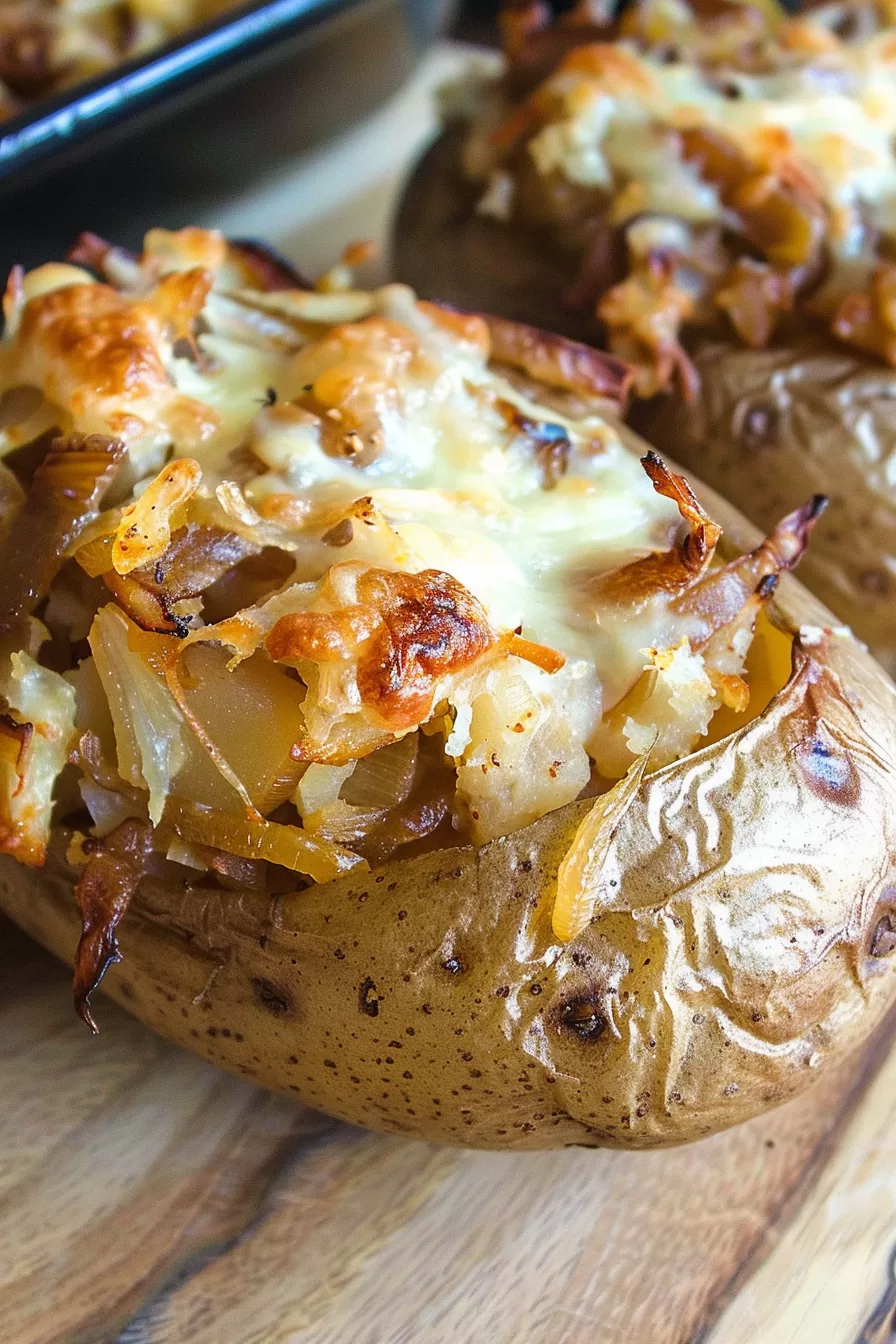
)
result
[(104, 893), (65, 494), (581, 878), (255, 838)]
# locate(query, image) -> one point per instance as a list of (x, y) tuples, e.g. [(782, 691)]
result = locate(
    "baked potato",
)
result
[(709, 194), (394, 737), (46, 46)]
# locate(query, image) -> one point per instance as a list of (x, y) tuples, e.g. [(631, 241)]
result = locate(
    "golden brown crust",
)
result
[(407, 631), (93, 351)]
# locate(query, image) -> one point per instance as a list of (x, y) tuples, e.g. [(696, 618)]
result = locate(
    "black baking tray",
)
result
[(158, 139)]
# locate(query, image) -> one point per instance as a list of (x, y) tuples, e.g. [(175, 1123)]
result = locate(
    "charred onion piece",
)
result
[(263, 268), (64, 496), (104, 892), (255, 838), (781, 212), (196, 558), (671, 571), (557, 361), (722, 593)]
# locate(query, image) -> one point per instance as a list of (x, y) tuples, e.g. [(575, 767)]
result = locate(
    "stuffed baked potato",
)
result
[(709, 192), (433, 758)]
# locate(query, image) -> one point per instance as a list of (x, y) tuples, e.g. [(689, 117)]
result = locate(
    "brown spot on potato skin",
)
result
[(883, 939), (271, 997), (882, 942), (757, 424), (582, 1016), (367, 1005)]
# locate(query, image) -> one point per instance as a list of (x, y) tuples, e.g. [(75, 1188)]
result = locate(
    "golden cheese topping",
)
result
[(748, 172), (324, 571)]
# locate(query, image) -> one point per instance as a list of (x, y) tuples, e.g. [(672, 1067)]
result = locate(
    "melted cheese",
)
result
[(399, 426), (835, 113)]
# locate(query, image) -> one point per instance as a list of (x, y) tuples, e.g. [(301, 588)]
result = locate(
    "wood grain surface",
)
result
[(146, 1198)]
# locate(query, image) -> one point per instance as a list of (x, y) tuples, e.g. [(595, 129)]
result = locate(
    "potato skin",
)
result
[(769, 427), (746, 945), (443, 249)]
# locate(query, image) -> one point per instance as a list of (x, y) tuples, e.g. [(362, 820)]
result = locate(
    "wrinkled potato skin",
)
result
[(745, 947), (446, 251), (769, 427)]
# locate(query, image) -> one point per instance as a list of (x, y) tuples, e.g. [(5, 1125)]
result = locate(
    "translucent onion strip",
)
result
[(148, 728), (288, 846), (580, 880)]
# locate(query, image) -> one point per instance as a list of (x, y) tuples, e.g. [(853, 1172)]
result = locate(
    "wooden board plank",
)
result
[(148, 1198)]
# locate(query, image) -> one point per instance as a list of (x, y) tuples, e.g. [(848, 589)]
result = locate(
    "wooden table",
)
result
[(146, 1198)]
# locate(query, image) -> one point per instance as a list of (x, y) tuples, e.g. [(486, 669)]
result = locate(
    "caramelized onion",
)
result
[(781, 212), (754, 295), (197, 557), (643, 315), (376, 833), (385, 778), (717, 599), (109, 882), (867, 319), (261, 268), (558, 361), (255, 838), (65, 494), (669, 571)]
